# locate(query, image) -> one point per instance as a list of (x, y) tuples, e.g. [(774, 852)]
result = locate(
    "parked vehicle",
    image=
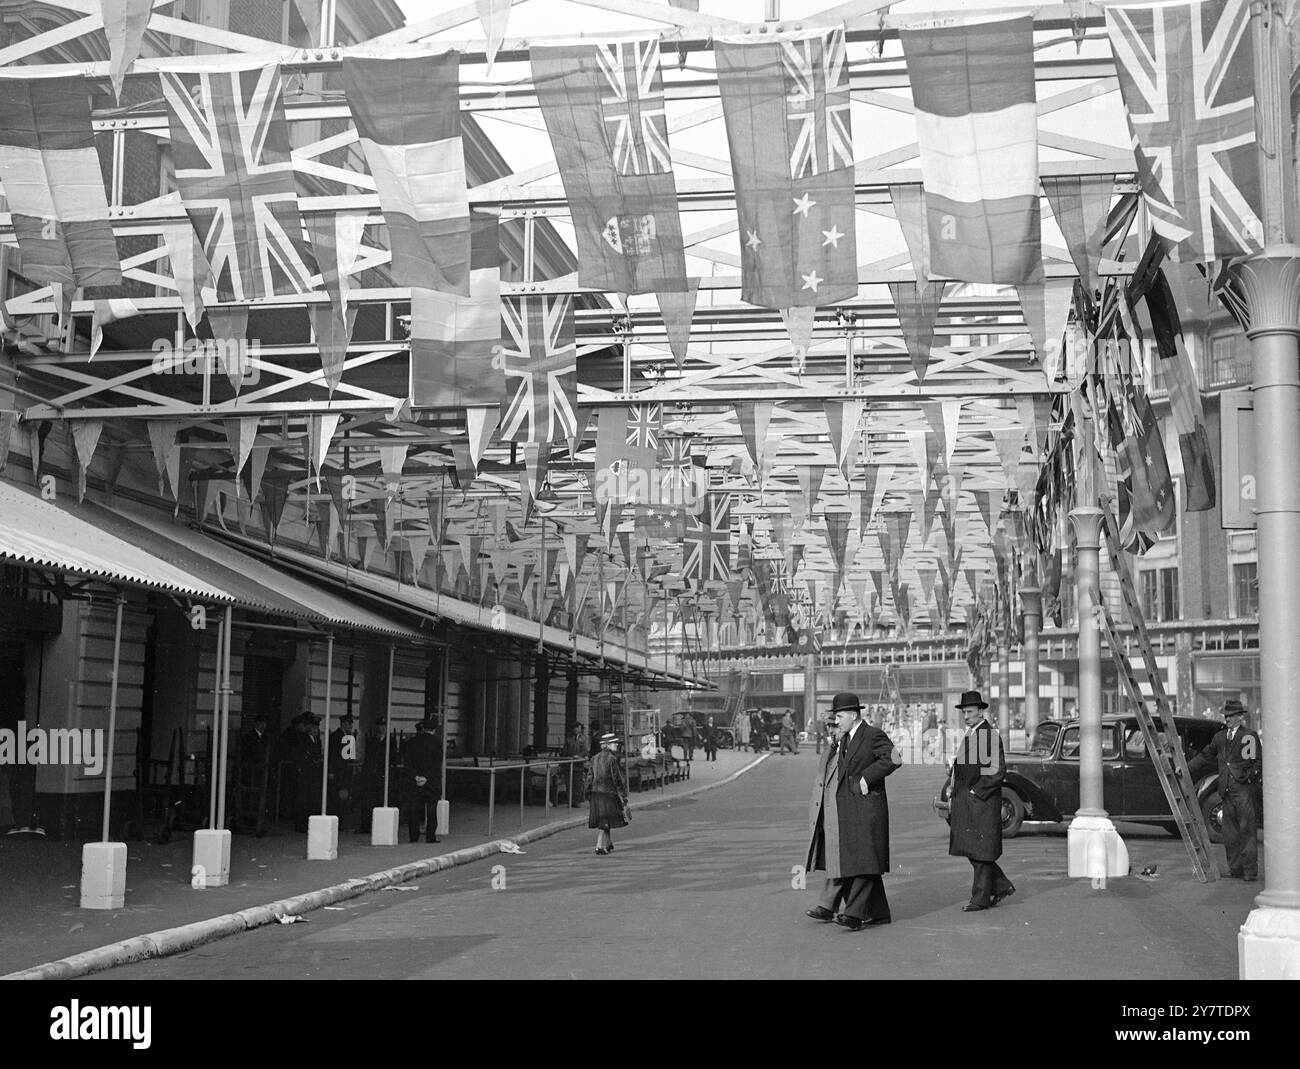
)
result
[(1043, 784)]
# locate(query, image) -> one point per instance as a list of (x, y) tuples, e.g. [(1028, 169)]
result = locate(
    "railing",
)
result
[(493, 769)]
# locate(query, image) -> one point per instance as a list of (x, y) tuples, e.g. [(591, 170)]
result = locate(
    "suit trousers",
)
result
[(988, 880), (1239, 825), (862, 897)]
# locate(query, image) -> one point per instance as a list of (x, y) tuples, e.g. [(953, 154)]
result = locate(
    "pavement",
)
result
[(44, 934)]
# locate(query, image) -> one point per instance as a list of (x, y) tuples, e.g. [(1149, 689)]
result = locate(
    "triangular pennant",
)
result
[(325, 529), (85, 439), (320, 433), (105, 312), (229, 325), (190, 268), (754, 418), (495, 17), (451, 559), (466, 469), (582, 423), (166, 454), (837, 538), (275, 493), (480, 424), (677, 311), (1081, 204), (918, 309), (984, 499), (392, 458), (810, 481), (332, 330), (909, 209), (1046, 307), (124, 25), (1008, 444), (798, 511), (240, 435), (843, 422), (799, 325)]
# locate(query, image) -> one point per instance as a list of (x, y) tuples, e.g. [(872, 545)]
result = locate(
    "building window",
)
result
[(1160, 594), (1229, 360), (1245, 589)]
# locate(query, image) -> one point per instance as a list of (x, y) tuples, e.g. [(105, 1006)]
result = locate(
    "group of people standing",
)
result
[(849, 814)]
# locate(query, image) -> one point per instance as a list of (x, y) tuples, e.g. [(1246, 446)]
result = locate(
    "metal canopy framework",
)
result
[(981, 363)]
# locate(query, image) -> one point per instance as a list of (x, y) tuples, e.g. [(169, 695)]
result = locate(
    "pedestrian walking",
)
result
[(849, 820), (975, 819), (787, 734), (607, 793), (710, 740), (688, 736), (1235, 752)]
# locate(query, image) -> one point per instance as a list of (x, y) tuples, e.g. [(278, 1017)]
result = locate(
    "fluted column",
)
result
[(1269, 941)]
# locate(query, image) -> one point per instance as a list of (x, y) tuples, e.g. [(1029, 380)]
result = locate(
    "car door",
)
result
[(1142, 794), (1064, 774)]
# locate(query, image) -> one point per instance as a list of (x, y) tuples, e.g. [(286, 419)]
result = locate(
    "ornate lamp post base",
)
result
[(1268, 945), (1096, 851)]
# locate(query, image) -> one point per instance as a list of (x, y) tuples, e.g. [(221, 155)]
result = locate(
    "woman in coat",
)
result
[(975, 819), (606, 793)]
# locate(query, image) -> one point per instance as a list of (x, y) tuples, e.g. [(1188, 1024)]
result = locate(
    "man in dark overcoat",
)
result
[(849, 820), (422, 780), (1236, 753), (975, 819)]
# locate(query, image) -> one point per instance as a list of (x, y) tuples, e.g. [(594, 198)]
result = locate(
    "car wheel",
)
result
[(1212, 811), (1013, 814)]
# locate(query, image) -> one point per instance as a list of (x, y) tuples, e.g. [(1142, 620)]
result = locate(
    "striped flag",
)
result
[(977, 127), (603, 105), (230, 142), (53, 183), (1187, 75), (454, 339), (407, 113), (785, 99), (706, 554), (540, 358)]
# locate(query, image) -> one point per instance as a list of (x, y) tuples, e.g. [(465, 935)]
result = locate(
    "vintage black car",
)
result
[(1043, 785)]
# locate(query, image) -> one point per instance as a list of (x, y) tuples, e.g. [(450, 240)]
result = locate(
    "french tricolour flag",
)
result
[(977, 128)]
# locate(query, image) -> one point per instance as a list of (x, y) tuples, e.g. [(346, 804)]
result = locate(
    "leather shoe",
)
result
[(1003, 894), (851, 923), (876, 922), (972, 907), (819, 913)]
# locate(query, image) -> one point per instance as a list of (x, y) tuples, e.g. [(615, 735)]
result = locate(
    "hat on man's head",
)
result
[(971, 697), (845, 702), (609, 736), (310, 718), (1234, 707)]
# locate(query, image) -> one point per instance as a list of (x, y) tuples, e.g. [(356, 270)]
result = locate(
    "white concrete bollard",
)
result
[(444, 817), (322, 838), (383, 825), (103, 875), (211, 859)]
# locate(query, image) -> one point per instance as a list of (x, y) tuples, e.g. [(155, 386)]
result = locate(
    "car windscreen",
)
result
[(1044, 735)]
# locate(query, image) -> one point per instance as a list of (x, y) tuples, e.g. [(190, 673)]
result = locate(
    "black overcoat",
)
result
[(975, 819), (850, 830)]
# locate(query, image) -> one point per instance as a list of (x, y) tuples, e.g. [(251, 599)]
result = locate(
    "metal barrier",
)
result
[(548, 763)]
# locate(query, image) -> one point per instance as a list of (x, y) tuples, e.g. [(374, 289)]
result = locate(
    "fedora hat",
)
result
[(1234, 707), (845, 701), (971, 697)]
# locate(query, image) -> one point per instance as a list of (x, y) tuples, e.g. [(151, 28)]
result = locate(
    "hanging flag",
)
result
[(1081, 205), (124, 25), (706, 552), (683, 476), (837, 540), (1046, 307), (678, 312), (230, 143), (918, 309), (1187, 76), (843, 424), (407, 113), (495, 17), (190, 268), (540, 359), (455, 339), (627, 449), (603, 105), (810, 482), (659, 522), (1153, 501), (336, 240), (977, 128), (754, 418), (785, 99), (908, 201), (53, 183), (85, 439)]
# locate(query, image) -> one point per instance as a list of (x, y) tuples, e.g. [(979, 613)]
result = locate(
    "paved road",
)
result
[(703, 888)]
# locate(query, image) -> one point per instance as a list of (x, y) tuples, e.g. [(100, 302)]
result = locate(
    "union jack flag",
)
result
[(644, 422), (682, 475), (231, 149), (1186, 73), (817, 97), (706, 555), (541, 363), (636, 125)]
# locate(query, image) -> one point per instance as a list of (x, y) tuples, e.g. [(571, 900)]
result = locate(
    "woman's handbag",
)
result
[(627, 811)]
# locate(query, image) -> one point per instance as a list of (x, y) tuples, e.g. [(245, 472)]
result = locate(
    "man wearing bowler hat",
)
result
[(975, 819), (1235, 751), (849, 818)]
